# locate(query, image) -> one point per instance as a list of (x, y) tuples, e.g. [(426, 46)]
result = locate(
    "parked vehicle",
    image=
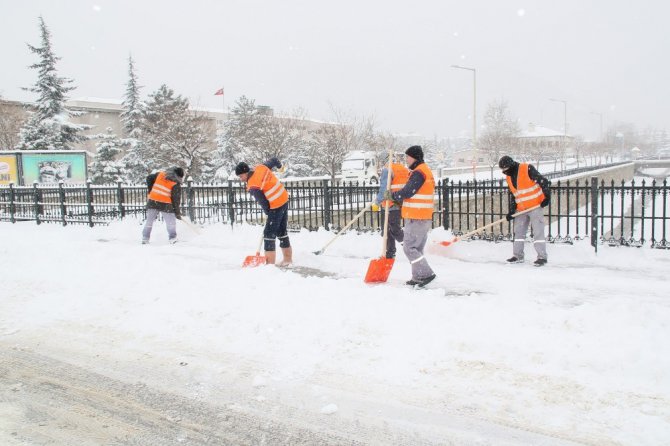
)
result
[(360, 166)]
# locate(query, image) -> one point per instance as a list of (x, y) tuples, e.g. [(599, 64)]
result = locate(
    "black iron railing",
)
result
[(625, 213)]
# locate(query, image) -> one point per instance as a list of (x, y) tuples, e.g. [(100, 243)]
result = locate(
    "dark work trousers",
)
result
[(395, 231), (275, 227)]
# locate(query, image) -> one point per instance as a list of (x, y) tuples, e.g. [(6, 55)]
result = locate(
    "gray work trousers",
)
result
[(535, 219), (170, 222), (416, 235), (395, 231)]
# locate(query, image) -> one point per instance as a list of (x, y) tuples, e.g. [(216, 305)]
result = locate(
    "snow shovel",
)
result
[(320, 251), (256, 260), (190, 225), (468, 234), (379, 269)]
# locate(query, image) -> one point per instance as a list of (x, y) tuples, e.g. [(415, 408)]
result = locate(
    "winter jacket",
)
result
[(513, 174), (175, 194)]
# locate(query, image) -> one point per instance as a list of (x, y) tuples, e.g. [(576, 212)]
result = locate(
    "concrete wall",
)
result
[(624, 172)]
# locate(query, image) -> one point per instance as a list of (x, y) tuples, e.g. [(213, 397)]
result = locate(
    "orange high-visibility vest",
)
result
[(420, 205), (162, 189), (527, 192), (269, 184), (400, 174)]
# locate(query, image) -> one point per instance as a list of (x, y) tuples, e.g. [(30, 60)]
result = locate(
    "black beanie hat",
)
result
[(241, 168), (179, 172), (505, 162), (415, 152)]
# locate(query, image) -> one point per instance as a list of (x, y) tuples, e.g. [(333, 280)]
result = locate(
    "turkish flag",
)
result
[(219, 92)]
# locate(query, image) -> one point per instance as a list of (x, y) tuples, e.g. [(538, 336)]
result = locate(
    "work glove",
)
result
[(388, 195), (544, 203), (509, 216), (282, 169), (374, 207)]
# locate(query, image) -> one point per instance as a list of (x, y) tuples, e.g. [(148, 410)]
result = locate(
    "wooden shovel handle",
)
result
[(473, 232), (386, 205)]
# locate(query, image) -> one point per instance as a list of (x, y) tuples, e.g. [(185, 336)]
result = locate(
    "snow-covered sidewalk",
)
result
[(576, 352)]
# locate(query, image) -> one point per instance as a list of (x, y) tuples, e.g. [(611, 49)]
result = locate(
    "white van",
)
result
[(360, 166)]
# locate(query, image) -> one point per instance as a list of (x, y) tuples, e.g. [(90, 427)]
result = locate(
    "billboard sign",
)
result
[(52, 167), (9, 171)]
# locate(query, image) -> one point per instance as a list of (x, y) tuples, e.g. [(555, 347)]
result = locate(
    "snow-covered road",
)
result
[(106, 341)]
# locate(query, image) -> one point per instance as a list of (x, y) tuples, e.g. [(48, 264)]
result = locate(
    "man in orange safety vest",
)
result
[(164, 197), (417, 197), (271, 195), (528, 190)]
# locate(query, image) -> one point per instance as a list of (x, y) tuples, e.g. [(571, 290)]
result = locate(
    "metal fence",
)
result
[(624, 213), (628, 214)]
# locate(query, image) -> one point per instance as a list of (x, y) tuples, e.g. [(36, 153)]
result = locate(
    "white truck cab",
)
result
[(360, 166)]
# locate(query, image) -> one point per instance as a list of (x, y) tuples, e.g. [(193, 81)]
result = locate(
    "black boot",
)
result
[(423, 282), (514, 259)]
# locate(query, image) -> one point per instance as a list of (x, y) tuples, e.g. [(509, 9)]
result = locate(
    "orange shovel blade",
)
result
[(379, 270), (252, 261), (449, 242)]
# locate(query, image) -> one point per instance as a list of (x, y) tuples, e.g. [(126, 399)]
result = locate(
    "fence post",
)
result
[(12, 205), (594, 213), (231, 203), (327, 204), (89, 202), (61, 197), (445, 204), (190, 199), (36, 201), (119, 198)]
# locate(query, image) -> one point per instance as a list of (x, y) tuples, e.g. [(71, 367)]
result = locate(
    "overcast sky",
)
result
[(390, 59)]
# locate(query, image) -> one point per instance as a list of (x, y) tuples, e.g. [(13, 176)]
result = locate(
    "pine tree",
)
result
[(254, 136), (131, 117), (175, 136), (135, 164), (49, 127), (105, 169), (240, 141)]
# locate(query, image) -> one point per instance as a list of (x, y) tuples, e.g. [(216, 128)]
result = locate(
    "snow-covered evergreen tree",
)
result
[(131, 116), (240, 140), (105, 168), (136, 165), (49, 126), (252, 135), (175, 136)]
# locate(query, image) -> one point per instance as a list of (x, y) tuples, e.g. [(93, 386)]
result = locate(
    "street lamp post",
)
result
[(601, 124), (474, 105), (565, 123), (565, 115)]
